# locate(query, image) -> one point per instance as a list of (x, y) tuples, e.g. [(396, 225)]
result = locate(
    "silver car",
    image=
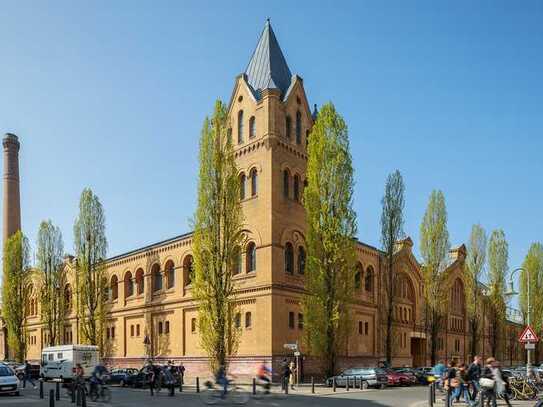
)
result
[(9, 384)]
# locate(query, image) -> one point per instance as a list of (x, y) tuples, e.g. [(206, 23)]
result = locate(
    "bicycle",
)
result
[(100, 391), (262, 389), (212, 394)]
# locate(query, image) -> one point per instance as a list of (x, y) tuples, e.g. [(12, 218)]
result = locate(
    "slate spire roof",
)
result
[(267, 68)]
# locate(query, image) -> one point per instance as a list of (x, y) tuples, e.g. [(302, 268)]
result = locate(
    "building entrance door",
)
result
[(417, 351)]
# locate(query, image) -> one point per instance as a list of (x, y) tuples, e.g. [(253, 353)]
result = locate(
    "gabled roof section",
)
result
[(268, 68)]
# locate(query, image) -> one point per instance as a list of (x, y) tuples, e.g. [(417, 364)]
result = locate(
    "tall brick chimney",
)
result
[(12, 200)]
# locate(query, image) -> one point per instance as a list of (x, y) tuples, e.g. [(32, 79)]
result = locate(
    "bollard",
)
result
[(334, 384), (72, 387), (361, 384), (448, 397), (347, 384), (41, 388), (482, 399), (83, 398), (355, 383), (286, 385), (51, 398), (57, 388), (197, 385), (430, 396), (78, 395), (434, 392), (254, 386), (172, 389), (312, 385), (181, 386)]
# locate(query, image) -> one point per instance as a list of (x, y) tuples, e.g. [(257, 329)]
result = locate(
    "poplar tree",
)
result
[(16, 276), (473, 271), (532, 270), (391, 231), (434, 247), (51, 274), (331, 229), (90, 251), (218, 234), (498, 255)]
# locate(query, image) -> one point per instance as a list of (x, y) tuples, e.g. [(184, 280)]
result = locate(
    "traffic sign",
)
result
[(297, 354), (528, 335), (291, 346), (529, 346)]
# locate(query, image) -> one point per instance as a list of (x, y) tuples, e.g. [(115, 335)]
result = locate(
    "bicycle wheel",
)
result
[(238, 396), (93, 395), (106, 395), (210, 396)]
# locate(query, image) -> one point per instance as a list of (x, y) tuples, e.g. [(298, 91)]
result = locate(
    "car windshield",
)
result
[(5, 371)]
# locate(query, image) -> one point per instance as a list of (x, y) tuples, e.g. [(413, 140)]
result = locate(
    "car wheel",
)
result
[(122, 383), (365, 385), (382, 386)]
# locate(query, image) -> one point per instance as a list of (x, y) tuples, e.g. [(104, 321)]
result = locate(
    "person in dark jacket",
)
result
[(474, 374), (492, 371), (286, 373), (27, 375)]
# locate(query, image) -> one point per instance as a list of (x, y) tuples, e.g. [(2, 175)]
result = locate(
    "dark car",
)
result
[(121, 376), (141, 378), (409, 372), (371, 377)]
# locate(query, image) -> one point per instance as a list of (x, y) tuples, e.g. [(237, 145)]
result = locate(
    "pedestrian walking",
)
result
[(493, 383), (27, 375), (285, 374), (292, 374), (462, 388), (474, 374), (181, 373)]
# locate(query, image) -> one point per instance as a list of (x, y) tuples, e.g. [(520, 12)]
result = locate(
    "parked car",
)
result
[(121, 376), (412, 374), (141, 378), (9, 384), (424, 373), (396, 378), (371, 377)]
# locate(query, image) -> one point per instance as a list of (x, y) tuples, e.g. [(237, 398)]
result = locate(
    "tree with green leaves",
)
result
[(434, 248), (532, 272), (91, 251), (473, 272), (391, 231), (16, 277), (52, 278), (218, 234), (331, 230), (498, 256)]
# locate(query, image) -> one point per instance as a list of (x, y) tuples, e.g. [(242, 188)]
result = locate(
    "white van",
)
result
[(58, 362)]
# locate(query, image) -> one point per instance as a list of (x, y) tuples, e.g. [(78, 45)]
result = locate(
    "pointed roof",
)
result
[(267, 68)]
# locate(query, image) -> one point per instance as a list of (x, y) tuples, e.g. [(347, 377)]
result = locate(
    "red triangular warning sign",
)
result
[(528, 335)]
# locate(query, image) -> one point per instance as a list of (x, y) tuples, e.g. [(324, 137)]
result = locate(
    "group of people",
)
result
[(289, 370), (468, 381)]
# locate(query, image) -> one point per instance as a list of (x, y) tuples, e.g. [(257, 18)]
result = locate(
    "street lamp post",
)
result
[(528, 309)]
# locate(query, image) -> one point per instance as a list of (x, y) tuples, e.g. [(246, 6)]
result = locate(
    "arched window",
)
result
[(248, 320), (170, 274), (286, 182), (128, 285), (298, 128), (188, 269), (288, 127), (140, 282), (289, 258), (254, 181), (236, 267), (114, 287), (240, 127), (67, 298), (368, 280), (252, 127), (237, 320), (251, 257), (358, 276), (296, 188), (301, 260), (242, 187), (157, 277)]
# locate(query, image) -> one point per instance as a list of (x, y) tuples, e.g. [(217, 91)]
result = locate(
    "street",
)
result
[(127, 397)]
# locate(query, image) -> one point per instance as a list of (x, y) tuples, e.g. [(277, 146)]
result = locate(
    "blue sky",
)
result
[(112, 95)]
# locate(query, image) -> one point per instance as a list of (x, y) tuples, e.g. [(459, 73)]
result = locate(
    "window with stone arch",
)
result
[(156, 277), (296, 188), (289, 258), (242, 181), (253, 175), (368, 280), (67, 298), (252, 127), (188, 270), (286, 183), (236, 266), (240, 127), (358, 276), (29, 306), (140, 281), (170, 274), (251, 257), (114, 287), (301, 260), (298, 128), (288, 127), (457, 297), (128, 285)]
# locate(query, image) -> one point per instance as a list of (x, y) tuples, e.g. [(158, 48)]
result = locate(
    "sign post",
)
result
[(294, 347), (529, 338)]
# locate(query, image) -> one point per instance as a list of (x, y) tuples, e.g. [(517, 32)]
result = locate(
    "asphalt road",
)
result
[(124, 397)]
